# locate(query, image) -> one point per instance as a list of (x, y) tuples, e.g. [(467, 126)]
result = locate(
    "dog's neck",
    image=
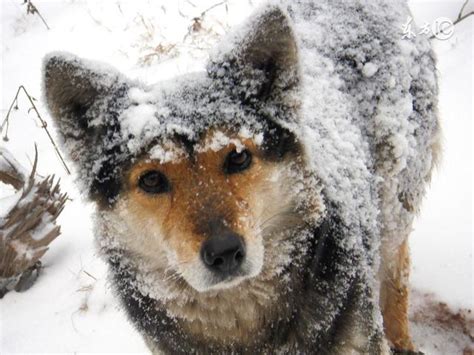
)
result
[(234, 315)]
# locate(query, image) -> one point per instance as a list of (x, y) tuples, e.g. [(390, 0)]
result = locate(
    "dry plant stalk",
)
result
[(199, 36), (31, 9), (14, 106), (29, 225)]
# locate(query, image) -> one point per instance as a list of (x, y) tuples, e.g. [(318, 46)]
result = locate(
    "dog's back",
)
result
[(360, 66)]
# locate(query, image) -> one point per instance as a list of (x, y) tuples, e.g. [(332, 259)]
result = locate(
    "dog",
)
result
[(263, 205)]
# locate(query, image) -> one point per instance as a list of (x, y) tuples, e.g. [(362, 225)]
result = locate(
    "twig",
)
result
[(196, 26), (462, 9), (44, 125), (32, 9), (460, 17), (97, 22), (119, 7), (91, 276), (212, 7)]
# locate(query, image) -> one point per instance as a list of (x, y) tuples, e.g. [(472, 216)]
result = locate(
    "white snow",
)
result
[(369, 69), (71, 307), (166, 153), (8, 201)]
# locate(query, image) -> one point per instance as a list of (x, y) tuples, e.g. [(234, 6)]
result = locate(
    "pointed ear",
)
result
[(73, 88), (85, 100), (263, 61)]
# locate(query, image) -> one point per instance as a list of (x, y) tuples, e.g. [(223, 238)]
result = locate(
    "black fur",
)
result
[(107, 184), (278, 142)]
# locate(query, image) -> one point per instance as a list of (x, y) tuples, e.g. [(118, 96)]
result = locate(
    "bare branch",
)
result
[(32, 9), (462, 9), (44, 124), (459, 19), (196, 25), (212, 7)]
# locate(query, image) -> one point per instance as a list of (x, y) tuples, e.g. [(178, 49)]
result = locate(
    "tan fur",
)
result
[(206, 192), (399, 210), (394, 300)]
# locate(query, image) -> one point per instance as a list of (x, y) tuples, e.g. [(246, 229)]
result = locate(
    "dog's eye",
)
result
[(236, 162), (154, 182)]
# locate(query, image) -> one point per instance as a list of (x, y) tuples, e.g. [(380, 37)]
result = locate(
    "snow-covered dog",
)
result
[(262, 206)]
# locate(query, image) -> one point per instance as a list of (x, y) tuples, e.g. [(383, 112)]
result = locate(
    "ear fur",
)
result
[(263, 62), (72, 87), (85, 100)]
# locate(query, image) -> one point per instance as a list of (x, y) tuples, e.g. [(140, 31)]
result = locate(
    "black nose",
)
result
[(223, 252)]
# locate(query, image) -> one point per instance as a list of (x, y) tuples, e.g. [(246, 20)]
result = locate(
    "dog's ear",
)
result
[(85, 100), (262, 62), (73, 88)]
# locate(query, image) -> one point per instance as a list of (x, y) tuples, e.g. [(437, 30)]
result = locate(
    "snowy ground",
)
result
[(70, 308)]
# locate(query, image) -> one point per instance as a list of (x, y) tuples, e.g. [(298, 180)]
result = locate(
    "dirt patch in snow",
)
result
[(437, 328)]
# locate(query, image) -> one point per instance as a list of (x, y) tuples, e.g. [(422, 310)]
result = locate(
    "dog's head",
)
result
[(200, 179)]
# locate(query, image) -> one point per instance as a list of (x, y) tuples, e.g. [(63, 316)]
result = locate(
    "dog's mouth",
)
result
[(202, 280), (223, 273), (228, 282), (231, 279)]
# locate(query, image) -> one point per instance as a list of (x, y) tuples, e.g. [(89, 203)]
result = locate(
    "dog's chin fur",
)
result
[(202, 280)]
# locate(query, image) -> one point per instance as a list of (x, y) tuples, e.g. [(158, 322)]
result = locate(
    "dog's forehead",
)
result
[(178, 147), (186, 107)]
